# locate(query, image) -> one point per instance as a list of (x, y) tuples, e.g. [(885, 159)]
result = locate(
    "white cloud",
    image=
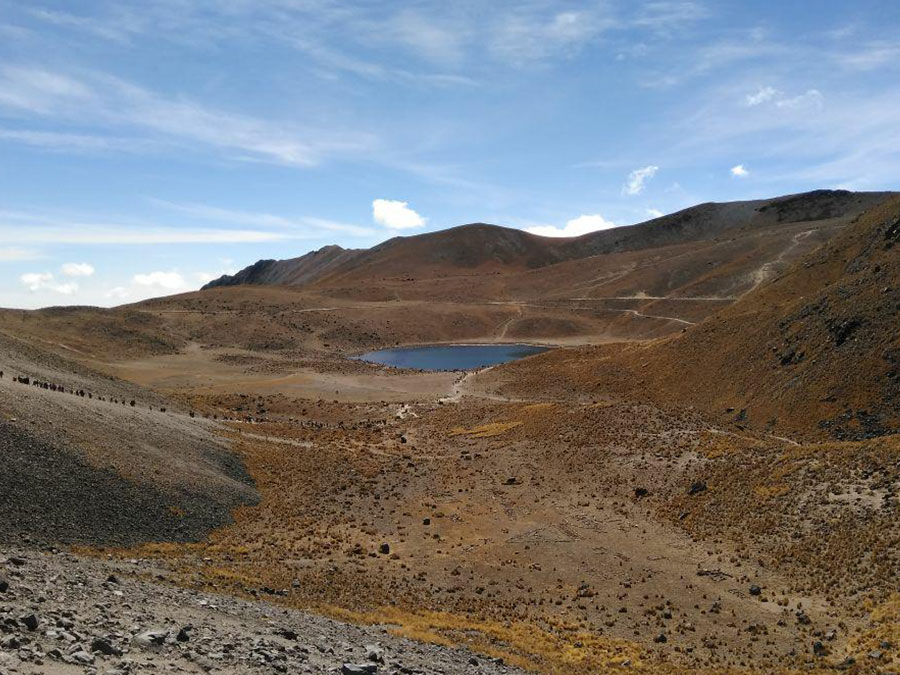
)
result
[(169, 281), (637, 179), (77, 269), (34, 281), (655, 213), (812, 98), (395, 214), (575, 227), (763, 95), (739, 171), (44, 281)]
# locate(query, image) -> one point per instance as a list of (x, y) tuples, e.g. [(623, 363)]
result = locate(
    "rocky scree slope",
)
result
[(61, 614), (87, 458)]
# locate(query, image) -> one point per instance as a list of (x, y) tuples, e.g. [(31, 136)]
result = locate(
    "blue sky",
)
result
[(149, 145)]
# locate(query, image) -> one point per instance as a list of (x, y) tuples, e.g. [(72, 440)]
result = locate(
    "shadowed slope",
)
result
[(89, 458)]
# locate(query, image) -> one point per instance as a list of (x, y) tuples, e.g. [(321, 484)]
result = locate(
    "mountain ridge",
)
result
[(491, 248)]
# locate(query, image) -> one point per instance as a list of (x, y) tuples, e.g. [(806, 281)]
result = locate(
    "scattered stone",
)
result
[(183, 635), (755, 590), (384, 549), (358, 668), (661, 638), (83, 657), (287, 633), (697, 487), (155, 637), (30, 622), (4, 585), (374, 653), (105, 647)]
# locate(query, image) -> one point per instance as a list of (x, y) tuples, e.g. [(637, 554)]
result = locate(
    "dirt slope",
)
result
[(814, 351), (89, 458)]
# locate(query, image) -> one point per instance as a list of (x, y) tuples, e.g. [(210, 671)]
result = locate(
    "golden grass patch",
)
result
[(771, 491), (486, 430), (517, 643)]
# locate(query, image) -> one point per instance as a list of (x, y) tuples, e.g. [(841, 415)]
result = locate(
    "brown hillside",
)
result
[(815, 351), (482, 249)]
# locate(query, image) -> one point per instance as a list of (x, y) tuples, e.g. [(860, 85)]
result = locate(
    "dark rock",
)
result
[(819, 648), (358, 668), (30, 622), (641, 492), (384, 549), (105, 647), (755, 590), (183, 635), (4, 585), (661, 638), (697, 487)]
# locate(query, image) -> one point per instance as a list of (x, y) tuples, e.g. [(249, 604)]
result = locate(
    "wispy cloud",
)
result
[(69, 142), (637, 180), (307, 225), (18, 228), (17, 254), (100, 100)]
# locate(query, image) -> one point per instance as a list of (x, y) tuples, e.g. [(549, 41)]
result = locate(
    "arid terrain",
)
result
[(701, 476)]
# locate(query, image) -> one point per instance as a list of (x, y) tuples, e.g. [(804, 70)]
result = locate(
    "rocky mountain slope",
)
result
[(64, 615), (88, 458), (815, 350), (484, 247)]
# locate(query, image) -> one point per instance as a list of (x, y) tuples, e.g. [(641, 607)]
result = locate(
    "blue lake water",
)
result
[(450, 357)]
